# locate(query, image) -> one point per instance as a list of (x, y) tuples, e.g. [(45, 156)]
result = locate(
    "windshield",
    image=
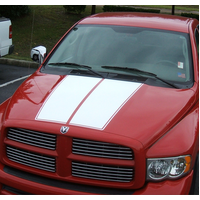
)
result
[(163, 53)]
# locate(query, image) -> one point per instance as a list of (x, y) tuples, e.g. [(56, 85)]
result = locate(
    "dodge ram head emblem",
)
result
[(64, 129)]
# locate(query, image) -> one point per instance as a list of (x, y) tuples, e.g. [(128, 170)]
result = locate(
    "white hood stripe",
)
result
[(65, 98), (103, 103), (65, 103)]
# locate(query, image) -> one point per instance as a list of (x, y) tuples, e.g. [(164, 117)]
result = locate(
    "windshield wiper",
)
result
[(140, 71), (77, 66)]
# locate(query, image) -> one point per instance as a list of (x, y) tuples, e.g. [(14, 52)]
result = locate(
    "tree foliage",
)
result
[(13, 11), (111, 8), (75, 8)]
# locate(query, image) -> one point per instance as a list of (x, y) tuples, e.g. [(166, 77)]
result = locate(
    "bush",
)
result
[(13, 11), (107, 8), (190, 15), (75, 9)]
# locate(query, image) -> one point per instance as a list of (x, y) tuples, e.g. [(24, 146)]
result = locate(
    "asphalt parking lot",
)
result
[(11, 77)]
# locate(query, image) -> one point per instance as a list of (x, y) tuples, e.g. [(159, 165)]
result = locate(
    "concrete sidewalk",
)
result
[(22, 63)]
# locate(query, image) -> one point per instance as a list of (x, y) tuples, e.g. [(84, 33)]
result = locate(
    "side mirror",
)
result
[(38, 54)]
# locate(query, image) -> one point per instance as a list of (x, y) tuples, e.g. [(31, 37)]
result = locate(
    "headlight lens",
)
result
[(167, 168), (158, 169)]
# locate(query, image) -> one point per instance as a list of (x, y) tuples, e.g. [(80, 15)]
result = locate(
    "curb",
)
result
[(21, 63)]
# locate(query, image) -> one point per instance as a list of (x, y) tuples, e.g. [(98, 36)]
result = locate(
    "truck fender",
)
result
[(3, 107), (182, 139)]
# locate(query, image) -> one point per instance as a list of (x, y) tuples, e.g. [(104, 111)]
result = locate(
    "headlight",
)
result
[(167, 168)]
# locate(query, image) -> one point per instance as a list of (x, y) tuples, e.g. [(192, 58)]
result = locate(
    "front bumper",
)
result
[(11, 182)]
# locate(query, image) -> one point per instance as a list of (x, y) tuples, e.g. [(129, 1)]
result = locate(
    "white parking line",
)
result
[(13, 81)]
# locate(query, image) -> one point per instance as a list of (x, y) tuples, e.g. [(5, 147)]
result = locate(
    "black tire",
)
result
[(195, 182), (35, 57)]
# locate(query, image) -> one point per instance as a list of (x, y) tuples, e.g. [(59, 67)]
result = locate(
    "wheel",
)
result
[(195, 182), (35, 57)]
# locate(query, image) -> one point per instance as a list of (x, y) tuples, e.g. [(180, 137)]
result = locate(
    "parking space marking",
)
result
[(13, 81)]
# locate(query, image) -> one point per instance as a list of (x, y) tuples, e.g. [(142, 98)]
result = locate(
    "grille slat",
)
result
[(34, 138), (102, 172), (79, 146), (31, 159), (101, 149)]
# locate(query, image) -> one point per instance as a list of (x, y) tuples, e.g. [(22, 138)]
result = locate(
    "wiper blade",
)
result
[(123, 68), (71, 64), (140, 71), (77, 66)]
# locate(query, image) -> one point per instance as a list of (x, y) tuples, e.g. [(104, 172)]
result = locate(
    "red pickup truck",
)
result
[(113, 109)]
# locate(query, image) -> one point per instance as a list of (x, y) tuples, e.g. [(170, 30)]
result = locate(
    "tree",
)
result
[(13, 11), (75, 8), (173, 9), (93, 10)]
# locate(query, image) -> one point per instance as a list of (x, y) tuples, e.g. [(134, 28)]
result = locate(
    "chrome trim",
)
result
[(101, 149), (33, 138), (31, 159), (102, 172)]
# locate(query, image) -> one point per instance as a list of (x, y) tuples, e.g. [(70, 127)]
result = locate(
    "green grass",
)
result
[(45, 25), (186, 8)]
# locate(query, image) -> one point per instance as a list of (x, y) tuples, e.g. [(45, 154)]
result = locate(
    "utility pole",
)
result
[(93, 10), (173, 9)]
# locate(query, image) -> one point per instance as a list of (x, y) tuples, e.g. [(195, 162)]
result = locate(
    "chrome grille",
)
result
[(102, 172), (101, 149), (31, 159), (34, 138)]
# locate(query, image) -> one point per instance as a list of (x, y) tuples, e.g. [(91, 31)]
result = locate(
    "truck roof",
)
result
[(147, 20)]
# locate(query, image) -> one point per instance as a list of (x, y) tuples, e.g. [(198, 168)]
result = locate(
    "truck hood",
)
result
[(130, 109)]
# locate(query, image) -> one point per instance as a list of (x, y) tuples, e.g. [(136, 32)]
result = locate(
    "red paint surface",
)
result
[(155, 122)]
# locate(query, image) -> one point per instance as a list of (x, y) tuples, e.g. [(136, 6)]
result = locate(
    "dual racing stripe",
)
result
[(86, 101)]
